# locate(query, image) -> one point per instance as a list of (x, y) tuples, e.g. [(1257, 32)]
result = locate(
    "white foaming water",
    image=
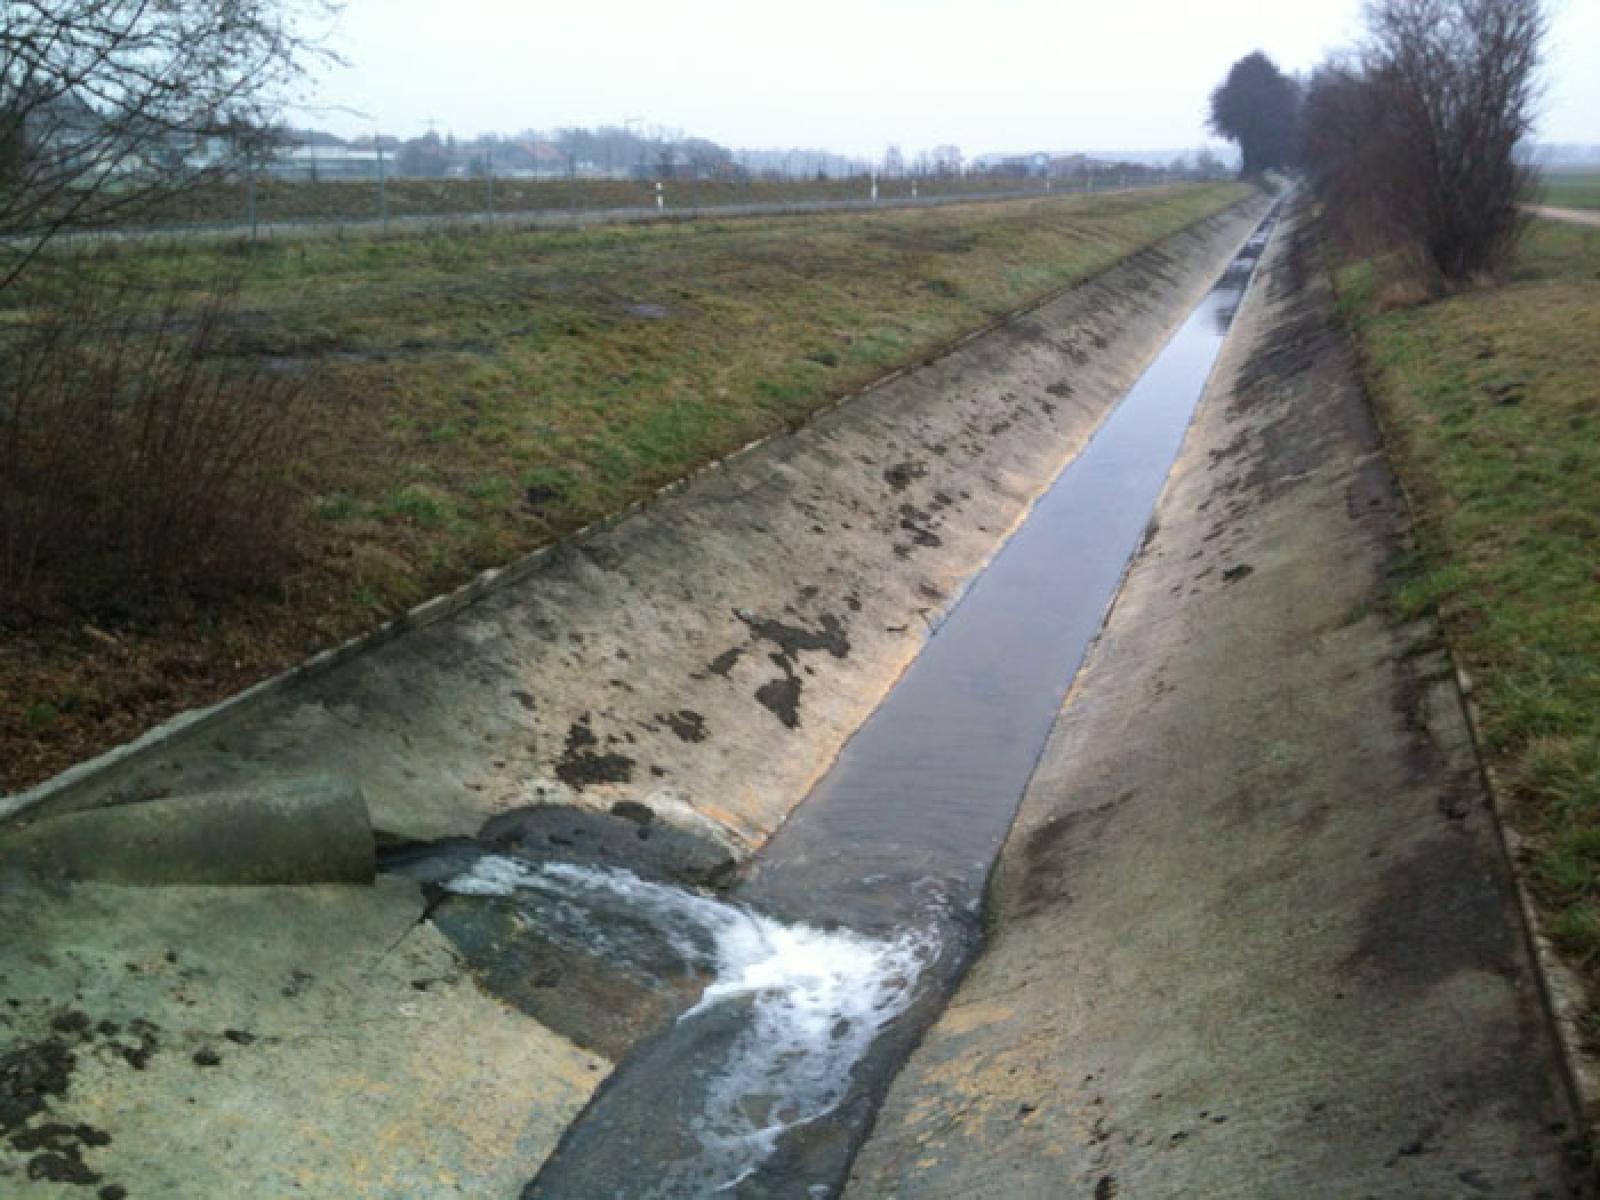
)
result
[(816, 999)]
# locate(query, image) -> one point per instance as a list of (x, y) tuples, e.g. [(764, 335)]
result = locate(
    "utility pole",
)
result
[(488, 179)]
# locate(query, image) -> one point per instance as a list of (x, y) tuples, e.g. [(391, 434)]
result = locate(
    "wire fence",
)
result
[(265, 207)]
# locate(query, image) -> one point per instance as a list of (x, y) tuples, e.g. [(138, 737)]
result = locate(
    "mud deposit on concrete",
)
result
[(36, 1079), (1253, 931), (583, 762), (775, 598), (679, 678), (899, 837)]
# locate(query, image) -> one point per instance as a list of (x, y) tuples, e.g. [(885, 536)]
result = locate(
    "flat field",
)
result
[(477, 394), (1571, 189), (333, 200)]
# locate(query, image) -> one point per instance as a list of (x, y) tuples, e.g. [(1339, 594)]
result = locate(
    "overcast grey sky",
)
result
[(855, 75)]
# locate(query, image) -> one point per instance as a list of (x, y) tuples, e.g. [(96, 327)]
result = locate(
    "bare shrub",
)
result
[(135, 464), (1343, 151), (1413, 143)]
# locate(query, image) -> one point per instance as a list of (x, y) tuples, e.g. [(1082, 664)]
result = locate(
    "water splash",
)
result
[(816, 998)]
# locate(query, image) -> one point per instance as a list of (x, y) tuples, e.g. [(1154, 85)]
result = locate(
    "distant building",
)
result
[(324, 162), (1037, 163)]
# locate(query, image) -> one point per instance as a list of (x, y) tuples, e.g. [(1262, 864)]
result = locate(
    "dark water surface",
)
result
[(883, 868)]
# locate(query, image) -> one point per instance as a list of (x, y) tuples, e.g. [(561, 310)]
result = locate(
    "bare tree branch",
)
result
[(104, 103)]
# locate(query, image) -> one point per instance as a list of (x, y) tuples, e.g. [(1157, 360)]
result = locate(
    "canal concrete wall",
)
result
[(706, 656), (1253, 933), (690, 669)]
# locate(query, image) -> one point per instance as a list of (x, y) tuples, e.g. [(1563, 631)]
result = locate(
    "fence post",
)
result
[(661, 199), (383, 192), (250, 194)]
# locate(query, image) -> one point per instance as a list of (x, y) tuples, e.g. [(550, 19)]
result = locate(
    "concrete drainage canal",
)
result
[(760, 1018)]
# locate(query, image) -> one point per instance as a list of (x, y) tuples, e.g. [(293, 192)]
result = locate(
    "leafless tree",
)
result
[(107, 103), (1415, 139), (1347, 148)]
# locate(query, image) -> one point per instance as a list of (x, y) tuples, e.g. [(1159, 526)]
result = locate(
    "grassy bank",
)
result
[(230, 201), (1571, 190), (476, 395), (1492, 403)]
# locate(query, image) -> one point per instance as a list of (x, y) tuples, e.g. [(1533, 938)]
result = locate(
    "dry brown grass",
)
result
[(135, 467)]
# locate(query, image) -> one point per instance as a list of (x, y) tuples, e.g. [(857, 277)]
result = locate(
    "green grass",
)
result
[(478, 394), (1492, 402), (1571, 189), (586, 369)]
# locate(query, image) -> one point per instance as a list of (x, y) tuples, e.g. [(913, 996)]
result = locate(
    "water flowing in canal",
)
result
[(853, 924)]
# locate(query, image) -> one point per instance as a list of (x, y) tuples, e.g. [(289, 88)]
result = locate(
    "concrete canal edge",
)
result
[(694, 664), (1145, 294), (1254, 931)]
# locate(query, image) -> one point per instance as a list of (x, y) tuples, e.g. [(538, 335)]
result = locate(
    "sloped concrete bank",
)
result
[(1253, 931), (706, 656), (656, 694)]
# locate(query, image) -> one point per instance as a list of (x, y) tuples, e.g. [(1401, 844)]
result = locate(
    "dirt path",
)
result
[(1254, 930), (1573, 216)]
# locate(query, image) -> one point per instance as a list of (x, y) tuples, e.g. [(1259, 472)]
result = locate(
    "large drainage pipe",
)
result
[(311, 829)]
